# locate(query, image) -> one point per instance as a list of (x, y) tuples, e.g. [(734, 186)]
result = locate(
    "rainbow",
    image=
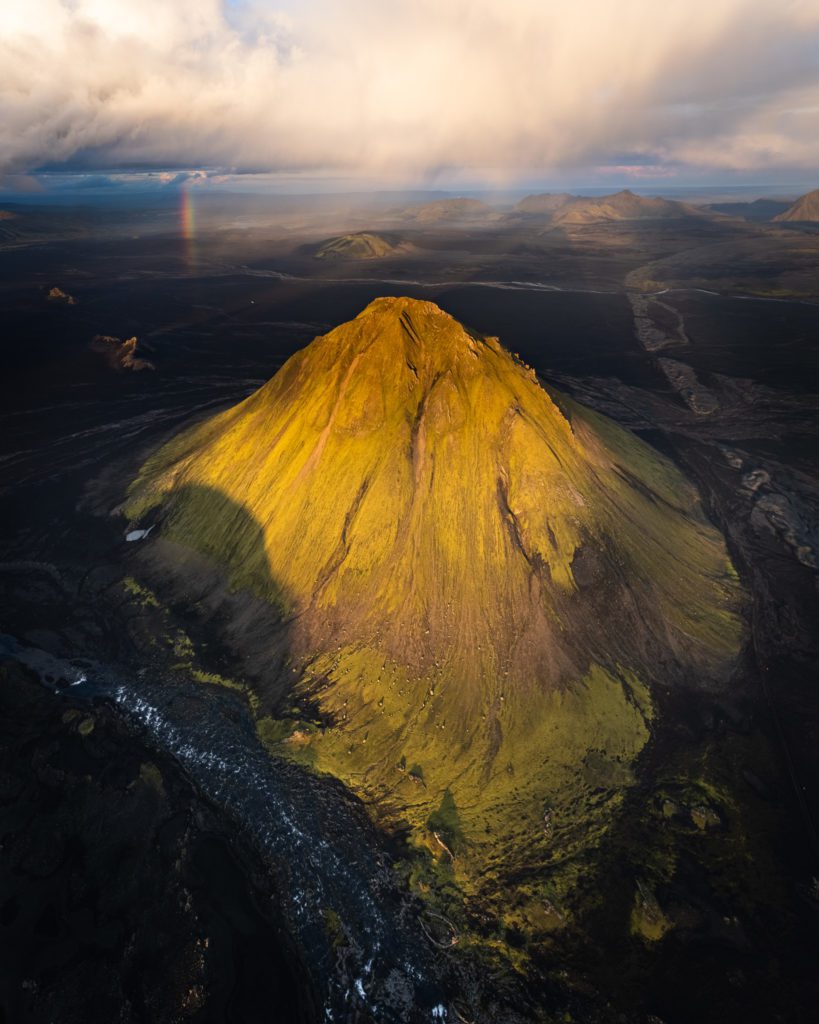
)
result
[(187, 225)]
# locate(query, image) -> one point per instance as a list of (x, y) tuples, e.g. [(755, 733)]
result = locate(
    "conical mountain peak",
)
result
[(412, 335), (427, 336), (478, 580), (403, 372)]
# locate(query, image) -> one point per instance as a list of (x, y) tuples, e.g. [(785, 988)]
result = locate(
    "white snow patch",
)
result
[(133, 535)]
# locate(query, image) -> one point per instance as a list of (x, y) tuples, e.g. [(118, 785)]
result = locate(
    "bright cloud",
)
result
[(402, 89)]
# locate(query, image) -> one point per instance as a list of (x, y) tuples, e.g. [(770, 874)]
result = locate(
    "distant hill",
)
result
[(546, 202), (441, 210), (806, 208), (623, 205), (361, 245), (12, 231), (758, 210), (33, 226)]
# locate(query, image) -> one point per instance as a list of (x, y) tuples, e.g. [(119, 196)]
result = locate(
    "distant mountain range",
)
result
[(564, 209), (625, 205)]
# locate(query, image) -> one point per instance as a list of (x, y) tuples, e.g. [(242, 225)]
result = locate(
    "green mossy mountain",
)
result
[(361, 245), (482, 581)]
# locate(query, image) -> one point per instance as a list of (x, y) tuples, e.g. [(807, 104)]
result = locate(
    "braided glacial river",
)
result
[(316, 841)]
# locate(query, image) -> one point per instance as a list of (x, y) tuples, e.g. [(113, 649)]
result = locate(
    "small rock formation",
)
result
[(705, 817), (120, 355), (647, 917), (58, 296)]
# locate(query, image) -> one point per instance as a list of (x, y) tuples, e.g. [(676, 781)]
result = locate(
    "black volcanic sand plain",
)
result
[(131, 877)]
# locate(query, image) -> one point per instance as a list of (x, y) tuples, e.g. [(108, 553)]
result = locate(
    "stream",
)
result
[(317, 843)]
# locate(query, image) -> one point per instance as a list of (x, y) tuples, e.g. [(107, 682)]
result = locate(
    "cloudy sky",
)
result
[(417, 92)]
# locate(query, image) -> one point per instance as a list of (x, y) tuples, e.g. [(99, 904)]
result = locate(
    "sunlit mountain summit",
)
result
[(478, 583)]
